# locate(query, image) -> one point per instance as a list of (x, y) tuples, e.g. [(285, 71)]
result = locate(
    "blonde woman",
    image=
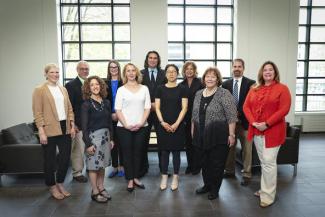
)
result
[(54, 119)]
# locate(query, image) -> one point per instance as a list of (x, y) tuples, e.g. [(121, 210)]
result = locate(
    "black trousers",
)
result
[(56, 167), (152, 121), (116, 153), (213, 163), (165, 161), (133, 147), (189, 147)]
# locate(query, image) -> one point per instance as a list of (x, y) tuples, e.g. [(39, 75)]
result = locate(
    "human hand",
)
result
[(73, 132), (231, 141), (112, 144), (43, 138), (91, 150), (166, 126), (114, 117), (174, 127)]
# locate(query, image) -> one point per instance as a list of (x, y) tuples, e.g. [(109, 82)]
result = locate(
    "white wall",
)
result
[(268, 30), (148, 29), (28, 40)]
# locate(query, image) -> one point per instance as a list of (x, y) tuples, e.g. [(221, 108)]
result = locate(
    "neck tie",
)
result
[(235, 92), (152, 77)]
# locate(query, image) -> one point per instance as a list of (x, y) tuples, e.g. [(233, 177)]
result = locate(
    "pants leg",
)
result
[(64, 145), (188, 145), (246, 151), (77, 154), (176, 161), (231, 160), (139, 149), (127, 151), (49, 151), (268, 158), (164, 161), (114, 156), (204, 164)]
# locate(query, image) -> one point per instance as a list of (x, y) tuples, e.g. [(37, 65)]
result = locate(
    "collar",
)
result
[(81, 80)]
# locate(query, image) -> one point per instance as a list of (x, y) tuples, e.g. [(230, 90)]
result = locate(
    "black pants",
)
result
[(165, 161), (189, 147), (116, 153), (213, 164), (56, 173), (133, 146)]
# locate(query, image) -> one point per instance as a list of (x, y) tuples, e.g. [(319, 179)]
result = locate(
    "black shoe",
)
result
[(139, 185), (130, 189), (202, 190), (229, 175), (82, 179), (188, 170), (213, 196), (245, 181)]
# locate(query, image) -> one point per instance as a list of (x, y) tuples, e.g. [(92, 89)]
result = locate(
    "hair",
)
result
[(138, 77), (172, 65), (118, 68), (48, 66), (216, 72), (86, 93), (187, 64), (146, 65), (260, 80), (81, 62), (239, 60)]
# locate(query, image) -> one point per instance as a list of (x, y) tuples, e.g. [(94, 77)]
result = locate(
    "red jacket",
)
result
[(268, 104)]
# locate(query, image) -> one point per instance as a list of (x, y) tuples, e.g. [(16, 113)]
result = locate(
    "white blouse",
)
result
[(59, 101), (132, 105)]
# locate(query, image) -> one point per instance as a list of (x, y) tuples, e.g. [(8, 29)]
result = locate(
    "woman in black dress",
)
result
[(192, 84), (171, 106)]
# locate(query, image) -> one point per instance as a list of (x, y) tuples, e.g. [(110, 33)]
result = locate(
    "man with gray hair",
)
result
[(74, 88)]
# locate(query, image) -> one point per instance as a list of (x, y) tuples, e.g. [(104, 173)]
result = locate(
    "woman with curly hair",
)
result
[(96, 124)]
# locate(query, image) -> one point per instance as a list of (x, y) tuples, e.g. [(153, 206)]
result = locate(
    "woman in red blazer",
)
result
[(265, 108)]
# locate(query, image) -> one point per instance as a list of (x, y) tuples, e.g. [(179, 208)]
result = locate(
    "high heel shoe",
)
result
[(174, 185), (163, 183)]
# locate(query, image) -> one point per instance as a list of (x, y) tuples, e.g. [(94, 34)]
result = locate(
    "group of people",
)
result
[(111, 121)]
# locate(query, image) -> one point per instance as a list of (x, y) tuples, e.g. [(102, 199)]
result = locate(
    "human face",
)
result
[(268, 73), (83, 70), (130, 73), (152, 60), (237, 69), (113, 69), (210, 80), (171, 74), (94, 87), (189, 71), (53, 75)]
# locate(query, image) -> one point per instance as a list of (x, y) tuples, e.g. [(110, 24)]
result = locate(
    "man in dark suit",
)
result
[(239, 86), (74, 88), (153, 76)]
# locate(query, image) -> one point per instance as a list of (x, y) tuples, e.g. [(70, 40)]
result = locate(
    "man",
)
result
[(78, 146), (239, 86), (153, 76)]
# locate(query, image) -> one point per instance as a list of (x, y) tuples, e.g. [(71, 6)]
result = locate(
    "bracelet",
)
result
[(232, 135)]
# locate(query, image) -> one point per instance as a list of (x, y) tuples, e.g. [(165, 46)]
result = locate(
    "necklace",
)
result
[(101, 108), (210, 92)]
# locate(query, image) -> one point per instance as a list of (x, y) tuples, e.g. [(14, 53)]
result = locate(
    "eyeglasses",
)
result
[(113, 67)]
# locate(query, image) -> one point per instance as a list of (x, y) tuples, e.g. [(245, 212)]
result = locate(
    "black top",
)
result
[(75, 95), (205, 101), (170, 107), (191, 90), (95, 116), (245, 86)]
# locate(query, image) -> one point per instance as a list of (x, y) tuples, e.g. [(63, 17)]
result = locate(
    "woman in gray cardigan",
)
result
[(214, 119)]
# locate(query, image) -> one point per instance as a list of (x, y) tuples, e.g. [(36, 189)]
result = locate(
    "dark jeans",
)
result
[(165, 161), (189, 147), (213, 163), (63, 142), (116, 152), (132, 145)]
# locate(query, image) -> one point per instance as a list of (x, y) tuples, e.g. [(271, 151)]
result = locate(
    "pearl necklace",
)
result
[(211, 93)]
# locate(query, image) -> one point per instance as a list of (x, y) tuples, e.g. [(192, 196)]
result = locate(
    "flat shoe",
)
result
[(130, 189), (264, 205), (104, 193), (140, 185)]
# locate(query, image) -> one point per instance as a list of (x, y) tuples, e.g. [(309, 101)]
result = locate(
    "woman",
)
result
[(171, 106), (114, 81), (192, 84), (132, 106), (214, 120), (54, 119), (96, 124), (265, 108)]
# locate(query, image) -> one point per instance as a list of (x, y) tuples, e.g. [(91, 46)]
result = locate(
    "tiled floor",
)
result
[(301, 196)]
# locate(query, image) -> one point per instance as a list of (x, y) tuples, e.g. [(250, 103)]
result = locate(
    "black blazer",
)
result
[(74, 88), (160, 79), (195, 86), (109, 91), (244, 88)]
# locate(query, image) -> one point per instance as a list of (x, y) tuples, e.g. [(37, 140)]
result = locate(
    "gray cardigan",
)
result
[(219, 114)]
